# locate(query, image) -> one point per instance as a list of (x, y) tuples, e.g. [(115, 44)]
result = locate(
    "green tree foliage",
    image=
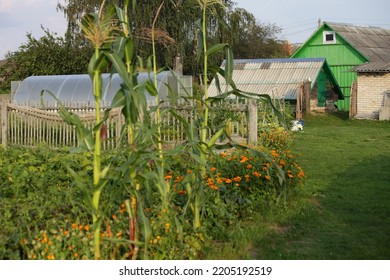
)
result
[(176, 30), (178, 19), (49, 55), (250, 39)]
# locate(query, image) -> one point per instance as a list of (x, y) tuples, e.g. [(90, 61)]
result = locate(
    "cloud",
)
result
[(5, 5), (7, 20), (9, 5)]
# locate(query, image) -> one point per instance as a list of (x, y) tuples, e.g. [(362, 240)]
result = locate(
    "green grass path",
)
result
[(341, 212), (345, 202)]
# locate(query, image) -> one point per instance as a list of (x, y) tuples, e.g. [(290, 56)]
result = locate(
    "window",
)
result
[(329, 37)]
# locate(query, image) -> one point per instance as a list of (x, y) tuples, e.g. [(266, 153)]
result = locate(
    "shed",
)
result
[(346, 46), (373, 91), (76, 90), (279, 78)]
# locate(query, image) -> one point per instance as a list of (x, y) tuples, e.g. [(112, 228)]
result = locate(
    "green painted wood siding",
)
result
[(341, 57)]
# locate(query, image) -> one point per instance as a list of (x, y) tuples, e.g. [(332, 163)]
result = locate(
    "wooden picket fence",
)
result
[(28, 126)]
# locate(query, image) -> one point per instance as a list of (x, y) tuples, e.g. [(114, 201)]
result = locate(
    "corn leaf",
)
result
[(215, 49)]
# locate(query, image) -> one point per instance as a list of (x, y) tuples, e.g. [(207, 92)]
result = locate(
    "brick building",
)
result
[(373, 91)]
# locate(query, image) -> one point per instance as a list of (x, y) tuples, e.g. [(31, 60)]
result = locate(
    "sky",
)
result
[(297, 18)]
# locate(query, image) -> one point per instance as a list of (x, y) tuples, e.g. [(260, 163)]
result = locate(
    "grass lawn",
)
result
[(343, 208)]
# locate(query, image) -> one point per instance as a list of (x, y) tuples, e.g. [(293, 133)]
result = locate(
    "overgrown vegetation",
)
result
[(136, 178), (50, 220)]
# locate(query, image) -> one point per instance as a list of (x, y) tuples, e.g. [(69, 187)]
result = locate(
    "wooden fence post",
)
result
[(300, 100), (353, 100), (307, 90), (4, 129), (252, 122)]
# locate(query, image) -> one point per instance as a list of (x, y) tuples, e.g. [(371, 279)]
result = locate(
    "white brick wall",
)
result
[(370, 93)]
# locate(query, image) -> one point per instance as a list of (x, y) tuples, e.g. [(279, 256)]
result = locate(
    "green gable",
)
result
[(341, 52), (340, 55)]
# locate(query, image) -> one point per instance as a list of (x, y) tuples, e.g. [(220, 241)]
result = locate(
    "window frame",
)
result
[(325, 34)]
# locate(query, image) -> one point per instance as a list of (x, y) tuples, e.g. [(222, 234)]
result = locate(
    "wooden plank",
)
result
[(252, 122)]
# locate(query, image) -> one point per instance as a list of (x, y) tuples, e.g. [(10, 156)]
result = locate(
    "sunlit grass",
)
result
[(343, 209)]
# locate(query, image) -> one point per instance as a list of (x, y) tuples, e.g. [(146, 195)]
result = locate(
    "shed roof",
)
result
[(383, 67), (372, 42), (276, 77)]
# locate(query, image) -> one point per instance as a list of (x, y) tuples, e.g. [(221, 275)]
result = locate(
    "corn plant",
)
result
[(144, 168)]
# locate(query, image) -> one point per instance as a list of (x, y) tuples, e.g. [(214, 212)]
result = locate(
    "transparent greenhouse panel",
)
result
[(76, 90)]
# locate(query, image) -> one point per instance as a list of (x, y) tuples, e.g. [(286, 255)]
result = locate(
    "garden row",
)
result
[(47, 214)]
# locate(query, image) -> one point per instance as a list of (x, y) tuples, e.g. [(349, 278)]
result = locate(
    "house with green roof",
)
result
[(346, 47)]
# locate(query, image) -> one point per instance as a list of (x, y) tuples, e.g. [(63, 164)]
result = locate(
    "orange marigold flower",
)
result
[(76, 255), (301, 174), (74, 226), (228, 181), (213, 169), (244, 159), (86, 228), (290, 175), (167, 177), (282, 162), (113, 217), (182, 192), (179, 179), (249, 166), (210, 181), (247, 177), (223, 154), (81, 227), (256, 174), (189, 171), (267, 177), (237, 179), (220, 180)]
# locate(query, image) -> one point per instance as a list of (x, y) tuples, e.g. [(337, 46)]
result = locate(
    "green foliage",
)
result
[(177, 19), (168, 199), (36, 188)]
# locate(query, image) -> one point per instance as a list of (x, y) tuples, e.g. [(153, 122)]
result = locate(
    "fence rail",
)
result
[(28, 126)]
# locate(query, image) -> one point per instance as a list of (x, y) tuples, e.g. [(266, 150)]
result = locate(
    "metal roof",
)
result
[(383, 67), (276, 77), (372, 42)]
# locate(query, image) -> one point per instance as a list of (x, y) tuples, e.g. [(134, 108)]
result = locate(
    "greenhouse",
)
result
[(76, 90)]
